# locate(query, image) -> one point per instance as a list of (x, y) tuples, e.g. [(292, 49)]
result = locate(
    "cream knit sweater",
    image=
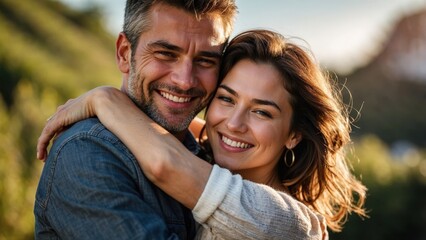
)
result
[(233, 208)]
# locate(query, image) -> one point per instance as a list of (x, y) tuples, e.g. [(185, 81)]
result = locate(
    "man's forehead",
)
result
[(210, 27), (177, 30)]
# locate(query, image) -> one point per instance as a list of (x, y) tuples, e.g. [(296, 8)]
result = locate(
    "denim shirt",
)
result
[(92, 187)]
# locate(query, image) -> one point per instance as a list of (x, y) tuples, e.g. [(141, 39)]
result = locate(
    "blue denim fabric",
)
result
[(92, 187)]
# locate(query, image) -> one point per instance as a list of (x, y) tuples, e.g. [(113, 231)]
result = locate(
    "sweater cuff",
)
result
[(213, 194)]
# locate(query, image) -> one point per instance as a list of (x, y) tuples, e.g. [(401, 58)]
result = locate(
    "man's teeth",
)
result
[(234, 143), (175, 98)]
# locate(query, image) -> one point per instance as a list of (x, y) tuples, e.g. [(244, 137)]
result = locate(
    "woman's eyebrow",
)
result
[(228, 89), (266, 102), (256, 101)]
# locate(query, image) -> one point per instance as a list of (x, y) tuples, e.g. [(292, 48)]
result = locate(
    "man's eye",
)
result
[(204, 62), (165, 55)]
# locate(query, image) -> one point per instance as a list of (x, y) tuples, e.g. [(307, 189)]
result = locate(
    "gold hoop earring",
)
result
[(292, 158)]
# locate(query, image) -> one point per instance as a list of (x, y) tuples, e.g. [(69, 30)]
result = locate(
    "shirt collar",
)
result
[(191, 144)]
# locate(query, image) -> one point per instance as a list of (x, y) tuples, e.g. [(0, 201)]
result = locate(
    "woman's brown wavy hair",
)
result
[(321, 176)]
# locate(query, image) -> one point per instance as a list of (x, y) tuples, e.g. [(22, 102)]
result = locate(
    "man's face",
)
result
[(175, 66)]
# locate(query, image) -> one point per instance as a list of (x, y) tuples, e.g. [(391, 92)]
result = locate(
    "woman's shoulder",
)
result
[(236, 202), (196, 126)]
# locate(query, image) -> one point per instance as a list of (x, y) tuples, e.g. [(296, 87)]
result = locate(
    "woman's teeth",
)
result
[(233, 143)]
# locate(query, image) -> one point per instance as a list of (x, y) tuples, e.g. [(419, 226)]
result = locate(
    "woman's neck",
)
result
[(270, 179)]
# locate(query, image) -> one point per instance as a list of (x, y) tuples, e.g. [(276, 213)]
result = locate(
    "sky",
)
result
[(342, 34)]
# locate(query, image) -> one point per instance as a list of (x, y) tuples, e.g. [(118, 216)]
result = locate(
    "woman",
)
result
[(275, 121)]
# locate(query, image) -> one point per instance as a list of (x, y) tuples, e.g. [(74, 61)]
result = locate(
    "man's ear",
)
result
[(123, 53)]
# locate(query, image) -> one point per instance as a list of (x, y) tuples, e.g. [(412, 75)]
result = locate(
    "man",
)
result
[(91, 186)]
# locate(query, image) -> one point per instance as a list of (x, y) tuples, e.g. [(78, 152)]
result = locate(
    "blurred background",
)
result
[(51, 51)]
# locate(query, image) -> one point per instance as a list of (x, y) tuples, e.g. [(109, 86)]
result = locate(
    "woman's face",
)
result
[(248, 122)]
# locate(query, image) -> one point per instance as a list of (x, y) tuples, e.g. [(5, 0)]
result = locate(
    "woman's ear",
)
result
[(293, 140), (123, 53)]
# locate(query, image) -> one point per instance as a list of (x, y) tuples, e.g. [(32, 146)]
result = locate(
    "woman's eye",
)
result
[(224, 99), (263, 113)]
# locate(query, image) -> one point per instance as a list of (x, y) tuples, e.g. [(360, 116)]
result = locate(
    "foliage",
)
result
[(396, 193), (46, 57)]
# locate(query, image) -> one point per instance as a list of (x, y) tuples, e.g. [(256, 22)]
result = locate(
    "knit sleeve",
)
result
[(233, 208)]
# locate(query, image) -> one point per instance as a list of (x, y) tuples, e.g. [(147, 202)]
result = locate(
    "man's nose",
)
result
[(183, 75)]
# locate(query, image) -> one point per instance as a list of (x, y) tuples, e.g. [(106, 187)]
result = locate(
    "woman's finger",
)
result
[(70, 112), (47, 134)]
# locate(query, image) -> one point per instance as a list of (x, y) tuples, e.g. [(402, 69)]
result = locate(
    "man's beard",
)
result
[(152, 111), (146, 104)]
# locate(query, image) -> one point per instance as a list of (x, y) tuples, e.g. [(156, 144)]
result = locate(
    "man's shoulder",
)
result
[(90, 128), (89, 139), (89, 125)]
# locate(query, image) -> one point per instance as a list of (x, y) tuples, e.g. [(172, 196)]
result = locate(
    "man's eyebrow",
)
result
[(166, 45), (171, 47), (256, 101), (211, 54)]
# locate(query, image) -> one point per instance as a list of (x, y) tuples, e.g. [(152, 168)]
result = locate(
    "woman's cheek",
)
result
[(214, 113)]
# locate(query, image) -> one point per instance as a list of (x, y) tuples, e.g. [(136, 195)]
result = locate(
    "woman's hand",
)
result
[(72, 111)]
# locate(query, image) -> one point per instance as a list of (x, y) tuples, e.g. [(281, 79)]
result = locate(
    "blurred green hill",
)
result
[(48, 54), (52, 46)]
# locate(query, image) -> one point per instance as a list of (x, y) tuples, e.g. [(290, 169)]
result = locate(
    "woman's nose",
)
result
[(237, 121)]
